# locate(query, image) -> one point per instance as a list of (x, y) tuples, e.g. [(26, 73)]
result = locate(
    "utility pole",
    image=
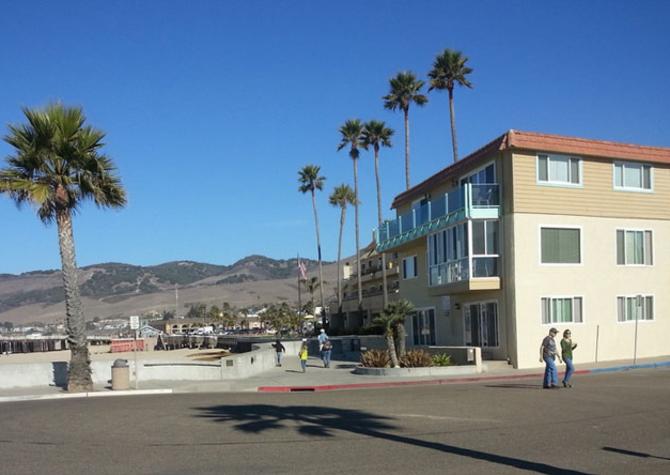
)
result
[(176, 301)]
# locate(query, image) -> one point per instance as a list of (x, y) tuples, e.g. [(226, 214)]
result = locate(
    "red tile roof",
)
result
[(521, 140)]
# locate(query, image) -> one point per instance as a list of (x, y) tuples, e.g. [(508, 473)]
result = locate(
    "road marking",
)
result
[(448, 418)]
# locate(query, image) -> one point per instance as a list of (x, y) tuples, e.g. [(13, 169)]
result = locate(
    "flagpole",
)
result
[(299, 293)]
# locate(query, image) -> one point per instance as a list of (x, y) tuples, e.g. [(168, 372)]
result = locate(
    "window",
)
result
[(559, 170), (423, 327), (448, 255), (632, 176), (631, 308), (634, 247), (561, 310), (560, 246), (485, 244), (409, 270), (486, 174)]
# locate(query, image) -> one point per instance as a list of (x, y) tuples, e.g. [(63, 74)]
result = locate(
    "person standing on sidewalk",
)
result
[(279, 348), (566, 351), (303, 354), (548, 354), (326, 350)]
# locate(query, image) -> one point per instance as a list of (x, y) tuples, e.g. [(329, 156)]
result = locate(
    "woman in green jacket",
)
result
[(566, 349)]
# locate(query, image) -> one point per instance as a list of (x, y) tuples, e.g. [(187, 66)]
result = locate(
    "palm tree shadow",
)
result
[(317, 421)]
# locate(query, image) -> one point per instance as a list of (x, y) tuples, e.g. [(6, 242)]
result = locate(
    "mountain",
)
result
[(117, 289)]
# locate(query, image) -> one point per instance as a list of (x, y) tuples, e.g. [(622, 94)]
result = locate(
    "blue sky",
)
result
[(210, 108)]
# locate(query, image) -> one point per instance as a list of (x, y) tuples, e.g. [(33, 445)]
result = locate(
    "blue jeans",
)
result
[(325, 357), (569, 369), (303, 365), (550, 372), (279, 356)]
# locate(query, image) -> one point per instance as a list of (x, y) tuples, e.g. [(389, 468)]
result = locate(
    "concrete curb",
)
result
[(41, 397), (463, 380)]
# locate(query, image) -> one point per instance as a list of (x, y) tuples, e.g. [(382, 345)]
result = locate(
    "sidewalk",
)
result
[(289, 378)]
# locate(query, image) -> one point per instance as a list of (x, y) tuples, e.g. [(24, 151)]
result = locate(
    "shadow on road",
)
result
[(633, 454), (316, 421), (515, 386)]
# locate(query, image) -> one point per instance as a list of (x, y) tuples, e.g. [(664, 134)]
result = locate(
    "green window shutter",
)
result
[(560, 246)]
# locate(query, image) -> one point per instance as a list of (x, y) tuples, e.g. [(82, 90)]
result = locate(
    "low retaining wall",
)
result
[(418, 372)]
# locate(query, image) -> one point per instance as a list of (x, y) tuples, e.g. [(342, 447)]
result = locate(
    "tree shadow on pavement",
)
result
[(318, 421), (515, 386), (633, 453)]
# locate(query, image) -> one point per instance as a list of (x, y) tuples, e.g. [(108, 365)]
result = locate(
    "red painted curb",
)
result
[(393, 384)]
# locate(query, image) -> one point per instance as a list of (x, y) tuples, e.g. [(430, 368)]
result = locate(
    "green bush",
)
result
[(416, 359), (441, 359), (375, 359)]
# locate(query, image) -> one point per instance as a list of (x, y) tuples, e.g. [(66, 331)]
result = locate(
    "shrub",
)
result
[(441, 359), (375, 359), (416, 359)]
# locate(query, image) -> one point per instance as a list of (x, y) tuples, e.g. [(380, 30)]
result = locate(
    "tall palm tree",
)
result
[(351, 134), (57, 164), (342, 196), (448, 70), (405, 90), (309, 180), (377, 135)]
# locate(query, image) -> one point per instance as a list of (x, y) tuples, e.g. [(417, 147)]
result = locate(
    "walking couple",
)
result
[(549, 352)]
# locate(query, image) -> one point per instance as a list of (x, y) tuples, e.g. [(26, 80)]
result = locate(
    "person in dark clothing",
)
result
[(279, 348)]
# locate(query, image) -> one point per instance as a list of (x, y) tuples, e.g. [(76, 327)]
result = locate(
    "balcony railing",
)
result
[(466, 199)]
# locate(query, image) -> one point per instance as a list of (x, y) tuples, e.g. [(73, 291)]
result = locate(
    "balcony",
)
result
[(476, 273), (475, 201)]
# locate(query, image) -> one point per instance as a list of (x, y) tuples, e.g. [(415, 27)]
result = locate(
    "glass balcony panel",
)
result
[(407, 222), (485, 195), (449, 272), (485, 266), (422, 214), (438, 207), (394, 228), (456, 199)]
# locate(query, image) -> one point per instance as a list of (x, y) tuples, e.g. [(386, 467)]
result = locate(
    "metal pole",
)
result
[(597, 338), (137, 368)]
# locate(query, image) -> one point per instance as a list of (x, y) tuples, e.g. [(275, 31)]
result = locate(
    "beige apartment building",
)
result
[(533, 231), (353, 316)]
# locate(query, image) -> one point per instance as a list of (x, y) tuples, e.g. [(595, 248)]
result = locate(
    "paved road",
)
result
[(609, 423)]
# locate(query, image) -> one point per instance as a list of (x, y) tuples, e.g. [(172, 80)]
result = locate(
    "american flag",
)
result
[(302, 270)]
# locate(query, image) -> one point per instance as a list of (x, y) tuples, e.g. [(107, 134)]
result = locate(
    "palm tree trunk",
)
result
[(79, 374), (318, 245), (358, 253), (385, 296), (339, 259), (402, 334), (452, 114), (407, 148), (390, 344)]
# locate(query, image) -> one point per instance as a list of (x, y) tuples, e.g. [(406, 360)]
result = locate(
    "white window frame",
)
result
[(561, 264), (641, 320), (464, 305), (644, 249), (442, 258), (571, 297), (549, 181), (415, 264), (472, 254), (623, 177), (416, 311)]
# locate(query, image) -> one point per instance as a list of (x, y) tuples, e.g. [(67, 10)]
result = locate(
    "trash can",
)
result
[(120, 375)]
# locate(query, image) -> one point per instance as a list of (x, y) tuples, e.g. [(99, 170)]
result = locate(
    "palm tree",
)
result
[(405, 89), (351, 135), (57, 164), (342, 196), (311, 181), (401, 309), (448, 70), (391, 318), (376, 135)]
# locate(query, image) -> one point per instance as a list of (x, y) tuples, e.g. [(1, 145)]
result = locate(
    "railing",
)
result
[(457, 271), (485, 267), (484, 195)]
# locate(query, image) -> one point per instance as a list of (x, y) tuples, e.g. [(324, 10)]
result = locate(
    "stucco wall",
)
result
[(598, 280)]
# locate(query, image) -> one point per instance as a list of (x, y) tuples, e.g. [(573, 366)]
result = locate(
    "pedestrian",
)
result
[(279, 348), (303, 354), (548, 354), (326, 350), (322, 338), (566, 351)]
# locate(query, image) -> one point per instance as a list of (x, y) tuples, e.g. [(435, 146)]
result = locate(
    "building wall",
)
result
[(598, 280), (597, 196)]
